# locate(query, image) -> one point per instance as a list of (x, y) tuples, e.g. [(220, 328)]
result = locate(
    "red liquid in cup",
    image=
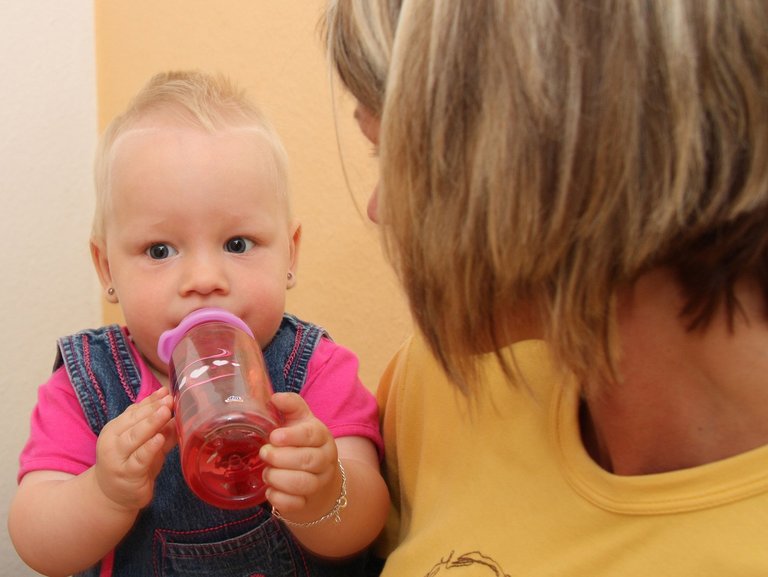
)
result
[(223, 413), (221, 461)]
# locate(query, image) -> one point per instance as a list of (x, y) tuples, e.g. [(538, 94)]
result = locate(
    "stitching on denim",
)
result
[(120, 367), (235, 550), (71, 361), (77, 379), (160, 534), (156, 539), (310, 340), (209, 529), (292, 356), (92, 376)]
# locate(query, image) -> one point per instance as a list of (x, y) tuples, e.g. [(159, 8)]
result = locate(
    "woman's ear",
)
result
[(101, 264), (294, 244)]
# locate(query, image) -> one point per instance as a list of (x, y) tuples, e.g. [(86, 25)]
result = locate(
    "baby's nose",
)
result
[(204, 275)]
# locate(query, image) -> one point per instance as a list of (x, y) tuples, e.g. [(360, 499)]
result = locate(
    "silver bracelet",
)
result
[(335, 512)]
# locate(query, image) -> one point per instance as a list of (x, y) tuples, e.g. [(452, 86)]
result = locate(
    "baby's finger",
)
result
[(285, 502), (141, 410), (144, 458), (306, 433), (143, 430), (313, 461), (171, 436), (293, 407), (297, 483)]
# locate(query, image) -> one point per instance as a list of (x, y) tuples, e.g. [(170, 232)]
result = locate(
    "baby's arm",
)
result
[(305, 482), (61, 524)]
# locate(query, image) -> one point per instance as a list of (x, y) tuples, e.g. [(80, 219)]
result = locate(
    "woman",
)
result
[(574, 195)]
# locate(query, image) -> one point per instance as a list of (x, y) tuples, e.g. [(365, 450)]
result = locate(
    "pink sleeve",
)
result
[(337, 397), (59, 438)]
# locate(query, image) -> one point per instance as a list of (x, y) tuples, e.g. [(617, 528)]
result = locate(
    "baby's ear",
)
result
[(101, 264), (293, 256)]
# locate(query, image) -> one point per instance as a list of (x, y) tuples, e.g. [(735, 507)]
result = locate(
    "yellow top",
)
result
[(504, 486)]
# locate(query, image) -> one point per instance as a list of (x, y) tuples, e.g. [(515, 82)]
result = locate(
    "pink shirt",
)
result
[(61, 440)]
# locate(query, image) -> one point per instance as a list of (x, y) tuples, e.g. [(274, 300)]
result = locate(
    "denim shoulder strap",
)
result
[(102, 371), (287, 355)]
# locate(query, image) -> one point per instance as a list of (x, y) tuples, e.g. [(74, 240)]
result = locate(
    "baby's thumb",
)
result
[(291, 405)]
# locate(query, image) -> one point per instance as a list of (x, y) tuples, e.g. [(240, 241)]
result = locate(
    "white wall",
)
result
[(47, 137)]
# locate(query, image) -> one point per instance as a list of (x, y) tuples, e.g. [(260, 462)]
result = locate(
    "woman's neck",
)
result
[(686, 398)]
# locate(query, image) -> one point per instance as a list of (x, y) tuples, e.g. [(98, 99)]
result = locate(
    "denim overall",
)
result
[(178, 534)]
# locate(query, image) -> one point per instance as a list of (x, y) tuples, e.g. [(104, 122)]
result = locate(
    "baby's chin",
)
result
[(159, 369), (264, 333)]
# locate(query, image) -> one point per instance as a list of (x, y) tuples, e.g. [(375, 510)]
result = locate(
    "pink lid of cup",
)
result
[(170, 338)]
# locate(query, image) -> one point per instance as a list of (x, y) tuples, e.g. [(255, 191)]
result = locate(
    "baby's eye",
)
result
[(160, 251), (238, 244)]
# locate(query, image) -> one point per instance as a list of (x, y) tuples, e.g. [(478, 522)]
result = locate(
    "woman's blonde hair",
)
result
[(359, 35), (209, 102), (552, 151)]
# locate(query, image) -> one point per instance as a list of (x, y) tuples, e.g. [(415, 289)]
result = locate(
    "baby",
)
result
[(192, 211)]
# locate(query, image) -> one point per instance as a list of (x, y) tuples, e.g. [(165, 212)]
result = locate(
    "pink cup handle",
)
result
[(170, 338)]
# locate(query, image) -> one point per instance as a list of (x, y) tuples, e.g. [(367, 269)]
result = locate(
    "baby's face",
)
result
[(195, 220)]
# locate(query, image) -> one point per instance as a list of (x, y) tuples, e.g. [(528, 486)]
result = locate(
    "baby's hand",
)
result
[(301, 461), (131, 449)]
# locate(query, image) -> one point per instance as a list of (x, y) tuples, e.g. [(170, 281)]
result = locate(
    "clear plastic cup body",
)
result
[(221, 392)]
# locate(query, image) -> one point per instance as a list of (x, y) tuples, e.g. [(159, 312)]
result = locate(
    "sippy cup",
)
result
[(221, 398)]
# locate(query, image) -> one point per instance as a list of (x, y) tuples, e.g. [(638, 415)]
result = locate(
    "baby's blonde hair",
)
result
[(209, 102), (552, 151)]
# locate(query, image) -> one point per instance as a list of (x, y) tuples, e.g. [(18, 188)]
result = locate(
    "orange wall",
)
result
[(273, 49)]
